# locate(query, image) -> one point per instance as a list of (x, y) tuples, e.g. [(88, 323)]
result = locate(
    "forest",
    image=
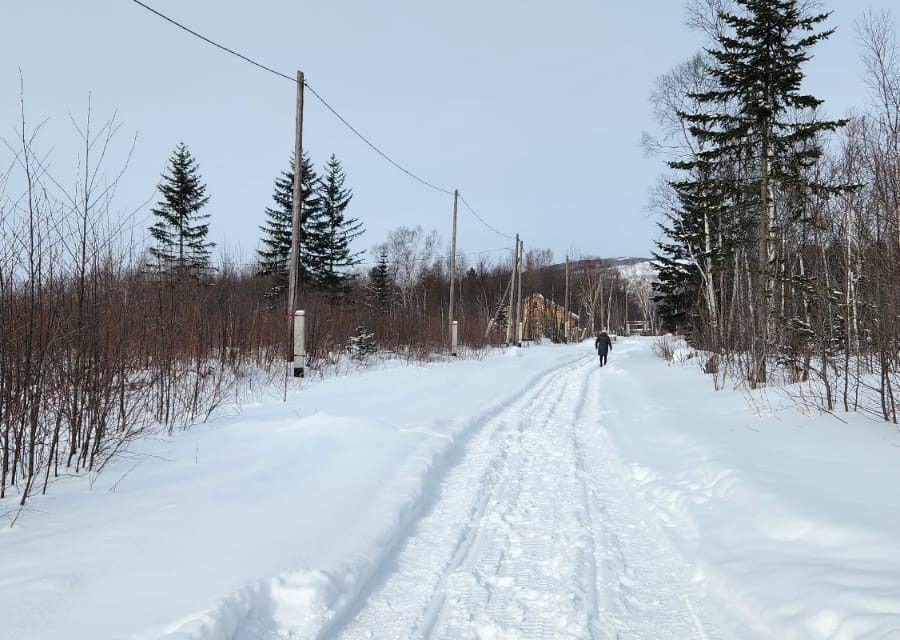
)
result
[(780, 248)]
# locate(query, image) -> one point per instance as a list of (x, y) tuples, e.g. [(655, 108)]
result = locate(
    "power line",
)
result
[(213, 43), (367, 263), (328, 106), (307, 85), (482, 220), (447, 256), (374, 148)]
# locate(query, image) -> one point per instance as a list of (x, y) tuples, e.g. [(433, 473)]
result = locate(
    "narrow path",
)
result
[(535, 534), (646, 588)]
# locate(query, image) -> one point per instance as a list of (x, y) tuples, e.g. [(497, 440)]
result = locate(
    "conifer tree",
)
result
[(331, 232), (691, 253), (274, 257), (180, 231), (676, 288), (380, 282), (502, 317)]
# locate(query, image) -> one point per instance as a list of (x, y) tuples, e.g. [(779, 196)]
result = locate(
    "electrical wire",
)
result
[(482, 220), (315, 93), (374, 148), (372, 264), (214, 43), (447, 257)]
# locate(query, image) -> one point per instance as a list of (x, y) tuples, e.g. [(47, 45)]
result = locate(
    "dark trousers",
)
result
[(602, 359)]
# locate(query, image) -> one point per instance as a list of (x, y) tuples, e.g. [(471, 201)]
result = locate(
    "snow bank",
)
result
[(274, 519), (280, 522), (792, 520)]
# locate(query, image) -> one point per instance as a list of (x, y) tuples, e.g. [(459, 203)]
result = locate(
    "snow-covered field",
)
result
[(531, 494)]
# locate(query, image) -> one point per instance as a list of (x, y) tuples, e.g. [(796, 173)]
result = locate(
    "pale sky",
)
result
[(534, 110)]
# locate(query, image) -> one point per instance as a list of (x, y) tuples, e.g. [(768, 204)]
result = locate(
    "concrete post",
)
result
[(299, 343), (454, 338)]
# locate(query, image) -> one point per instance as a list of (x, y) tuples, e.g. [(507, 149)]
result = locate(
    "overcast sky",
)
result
[(533, 109)]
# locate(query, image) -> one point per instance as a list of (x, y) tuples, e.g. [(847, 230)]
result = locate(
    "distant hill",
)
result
[(631, 268)]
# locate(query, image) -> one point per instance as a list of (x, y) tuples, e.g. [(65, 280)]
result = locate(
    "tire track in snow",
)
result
[(475, 554), (537, 532), (646, 587), (435, 559), (392, 604), (302, 603), (501, 555)]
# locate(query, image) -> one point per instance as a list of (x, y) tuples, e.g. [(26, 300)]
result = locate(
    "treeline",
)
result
[(780, 254)]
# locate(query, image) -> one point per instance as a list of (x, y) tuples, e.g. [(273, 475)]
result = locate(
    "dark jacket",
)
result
[(603, 344)]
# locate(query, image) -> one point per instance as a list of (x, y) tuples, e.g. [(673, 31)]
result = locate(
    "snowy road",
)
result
[(535, 534), (531, 494)]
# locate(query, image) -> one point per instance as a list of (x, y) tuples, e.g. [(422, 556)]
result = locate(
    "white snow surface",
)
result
[(638, 273), (532, 494)]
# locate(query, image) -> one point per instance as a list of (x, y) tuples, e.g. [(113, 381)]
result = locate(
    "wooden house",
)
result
[(544, 318)]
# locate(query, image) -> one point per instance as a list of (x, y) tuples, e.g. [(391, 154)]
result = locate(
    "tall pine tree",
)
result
[(332, 231), (180, 231), (275, 256)]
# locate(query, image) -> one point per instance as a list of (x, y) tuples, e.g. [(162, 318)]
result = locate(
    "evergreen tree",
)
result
[(697, 243), (502, 317), (180, 230), (380, 282), (275, 256), (677, 288), (362, 344), (331, 232)]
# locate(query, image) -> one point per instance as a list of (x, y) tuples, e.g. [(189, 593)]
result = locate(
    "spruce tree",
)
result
[(502, 317), (331, 232), (697, 243), (380, 282), (274, 257), (677, 287), (180, 230)]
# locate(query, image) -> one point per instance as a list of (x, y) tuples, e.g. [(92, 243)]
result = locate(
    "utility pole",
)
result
[(298, 357), (453, 328), (566, 325), (513, 325), (521, 322)]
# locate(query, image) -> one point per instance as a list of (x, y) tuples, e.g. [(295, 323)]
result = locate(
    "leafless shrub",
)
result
[(664, 348)]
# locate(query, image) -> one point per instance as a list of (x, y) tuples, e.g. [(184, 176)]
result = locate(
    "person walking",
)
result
[(603, 345)]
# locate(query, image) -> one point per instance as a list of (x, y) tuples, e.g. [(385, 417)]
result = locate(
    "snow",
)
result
[(792, 519), (638, 273), (532, 494), (245, 516)]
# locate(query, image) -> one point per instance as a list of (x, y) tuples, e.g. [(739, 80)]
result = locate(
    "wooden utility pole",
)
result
[(509, 302), (453, 269), (513, 310), (566, 324), (294, 274), (519, 315)]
